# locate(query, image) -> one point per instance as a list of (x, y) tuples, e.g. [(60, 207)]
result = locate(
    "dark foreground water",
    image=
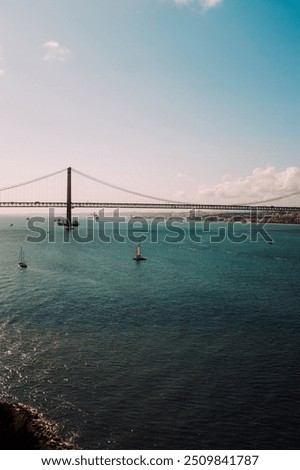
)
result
[(197, 347)]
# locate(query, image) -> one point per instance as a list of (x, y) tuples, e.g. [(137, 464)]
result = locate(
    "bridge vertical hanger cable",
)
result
[(33, 180), (113, 186), (273, 199)]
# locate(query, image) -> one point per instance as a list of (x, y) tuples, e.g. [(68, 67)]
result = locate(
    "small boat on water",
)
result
[(138, 254), (22, 263)]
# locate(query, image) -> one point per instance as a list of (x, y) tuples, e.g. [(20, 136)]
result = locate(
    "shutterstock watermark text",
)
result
[(115, 227)]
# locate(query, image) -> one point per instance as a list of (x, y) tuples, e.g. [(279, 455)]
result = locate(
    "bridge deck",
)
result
[(151, 205)]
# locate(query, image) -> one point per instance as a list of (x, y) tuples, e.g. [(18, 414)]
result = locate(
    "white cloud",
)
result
[(203, 4), (262, 184), (180, 196), (55, 52), (207, 4), (184, 176)]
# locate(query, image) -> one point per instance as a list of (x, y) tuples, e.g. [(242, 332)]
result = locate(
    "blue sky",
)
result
[(194, 100)]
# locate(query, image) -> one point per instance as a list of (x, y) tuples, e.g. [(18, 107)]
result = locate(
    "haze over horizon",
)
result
[(190, 100)]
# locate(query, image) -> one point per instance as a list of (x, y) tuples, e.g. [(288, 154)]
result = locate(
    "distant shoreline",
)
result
[(183, 218)]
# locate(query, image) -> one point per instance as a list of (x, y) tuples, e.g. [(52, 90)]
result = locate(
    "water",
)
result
[(195, 348)]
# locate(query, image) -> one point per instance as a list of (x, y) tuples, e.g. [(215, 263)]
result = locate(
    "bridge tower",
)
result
[(69, 198)]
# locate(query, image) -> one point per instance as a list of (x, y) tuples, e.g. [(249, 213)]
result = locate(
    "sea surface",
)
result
[(198, 347)]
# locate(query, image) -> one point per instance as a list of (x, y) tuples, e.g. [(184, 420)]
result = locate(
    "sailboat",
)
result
[(22, 263), (138, 255)]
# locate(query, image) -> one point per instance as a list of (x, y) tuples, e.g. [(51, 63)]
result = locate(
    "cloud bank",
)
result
[(262, 184), (54, 52)]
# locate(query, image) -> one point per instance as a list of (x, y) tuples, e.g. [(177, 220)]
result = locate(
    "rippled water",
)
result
[(198, 347)]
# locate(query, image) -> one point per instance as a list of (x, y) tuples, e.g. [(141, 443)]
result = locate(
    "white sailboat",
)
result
[(138, 254), (22, 262)]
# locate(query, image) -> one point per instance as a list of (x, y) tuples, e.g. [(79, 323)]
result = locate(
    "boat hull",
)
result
[(22, 265)]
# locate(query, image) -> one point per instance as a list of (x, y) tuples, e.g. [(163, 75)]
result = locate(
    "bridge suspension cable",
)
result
[(34, 180), (128, 191), (272, 199)]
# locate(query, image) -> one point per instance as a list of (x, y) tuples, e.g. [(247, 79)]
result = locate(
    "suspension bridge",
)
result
[(61, 195)]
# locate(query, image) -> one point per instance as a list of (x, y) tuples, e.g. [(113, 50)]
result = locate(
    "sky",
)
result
[(189, 100)]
